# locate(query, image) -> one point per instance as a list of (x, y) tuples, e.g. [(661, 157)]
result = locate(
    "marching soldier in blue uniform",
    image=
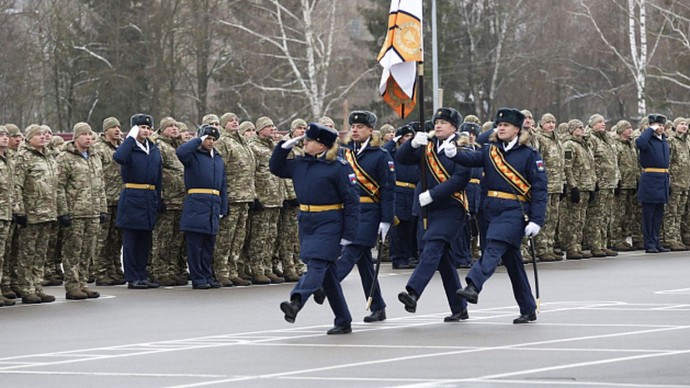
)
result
[(325, 186), (513, 206), (653, 191), (140, 200), (445, 203), (474, 190), (205, 203), (375, 172), (403, 233)]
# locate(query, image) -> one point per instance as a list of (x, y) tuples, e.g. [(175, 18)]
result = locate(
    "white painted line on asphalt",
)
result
[(679, 291)]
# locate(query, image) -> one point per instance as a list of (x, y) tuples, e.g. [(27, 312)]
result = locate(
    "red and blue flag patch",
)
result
[(540, 165), (391, 166)]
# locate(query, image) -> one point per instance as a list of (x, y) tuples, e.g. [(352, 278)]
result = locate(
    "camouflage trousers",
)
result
[(547, 235), (572, 223), (31, 257), (230, 241), (108, 259), (673, 215), (263, 227), (598, 219), (9, 267), (164, 262), (80, 244), (5, 230), (53, 266), (622, 219), (287, 243), (685, 224)]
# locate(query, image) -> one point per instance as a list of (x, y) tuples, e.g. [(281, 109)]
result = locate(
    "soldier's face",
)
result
[(171, 131), (4, 140), (528, 123), (114, 133), (579, 131), (185, 136), (38, 141), (144, 132), (506, 132), (388, 136), (599, 127), (626, 134), (208, 143), (233, 124), (682, 127), (443, 129), (361, 132), (299, 130), (313, 147), (267, 131), (83, 142), (15, 141), (549, 126)]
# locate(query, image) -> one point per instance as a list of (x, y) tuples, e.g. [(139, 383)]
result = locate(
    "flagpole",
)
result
[(422, 164)]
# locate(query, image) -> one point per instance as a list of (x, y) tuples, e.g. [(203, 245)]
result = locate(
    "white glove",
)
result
[(134, 132), (395, 139), (220, 216), (291, 143), (420, 139), (532, 229), (384, 227), (425, 198), (449, 149), (203, 138), (344, 242)]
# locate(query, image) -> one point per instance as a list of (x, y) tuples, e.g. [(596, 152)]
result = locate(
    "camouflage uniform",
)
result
[(600, 208), (263, 219), (6, 187), (552, 153), (167, 239), (81, 195), (108, 261), (239, 167), (622, 225), (52, 273), (679, 171), (35, 190), (580, 175)]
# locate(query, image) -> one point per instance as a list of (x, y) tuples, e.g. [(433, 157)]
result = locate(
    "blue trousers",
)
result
[(436, 255), (358, 254), (494, 252), (322, 273), (136, 247), (652, 215), (403, 241), (200, 256), (460, 248)]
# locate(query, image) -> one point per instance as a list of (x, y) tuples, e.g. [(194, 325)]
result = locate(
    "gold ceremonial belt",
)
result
[(475, 181), (320, 208), (502, 195), (405, 184), (139, 186), (661, 170), (204, 191), (367, 200)]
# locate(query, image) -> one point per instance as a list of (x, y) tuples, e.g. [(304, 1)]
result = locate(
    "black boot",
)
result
[(470, 293), (319, 295), (409, 299), (291, 309), (376, 316), (525, 318), (347, 329), (461, 316)]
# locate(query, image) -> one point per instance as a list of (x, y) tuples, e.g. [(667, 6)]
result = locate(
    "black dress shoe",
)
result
[(204, 286), (319, 295), (340, 330), (651, 251), (461, 316), (290, 309), (403, 266), (137, 285), (663, 250), (409, 300), (525, 318), (470, 293), (150, 284), (376, 316), (215, 284)]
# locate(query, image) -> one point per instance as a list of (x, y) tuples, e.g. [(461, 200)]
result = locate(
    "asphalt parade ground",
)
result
[(613, 322)]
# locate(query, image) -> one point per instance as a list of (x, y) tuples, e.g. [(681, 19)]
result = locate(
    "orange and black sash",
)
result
[(505, 170), (441, 175), (367, 183)]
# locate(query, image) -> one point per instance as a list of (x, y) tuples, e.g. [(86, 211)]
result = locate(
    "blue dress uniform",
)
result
[(372, 165), (329, 213), (446, 217), (206, 201), (139, 203), (403, 234), (653, 191), (504, 210)]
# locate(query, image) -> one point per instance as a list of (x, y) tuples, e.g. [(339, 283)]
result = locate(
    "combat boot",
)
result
[(181, 280), (104, 281), (7, 301), (238, 281), (8, 293), (166, 282), (598, 253), (586, 254), (291, 277), (573, 255), (45, 298), (675, 246), (610, 252), (291, 308), (91, 294), (275, 279), (546, 257), (622, 247), (75, 295), (31, 299), (261, 280)]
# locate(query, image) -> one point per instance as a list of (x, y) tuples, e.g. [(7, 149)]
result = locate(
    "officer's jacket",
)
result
[(628, 165), (378, 164), (35, 185), (6, 186), (605, 159), (319, 181), (505, 218), (268, 187), (138, 208), (551, 150), (173, 191), (680, 160), (446, 213), (202, 210), (112, 178), (579, 164), (654, 153), (80, 190), (406, 179), (240, 165)]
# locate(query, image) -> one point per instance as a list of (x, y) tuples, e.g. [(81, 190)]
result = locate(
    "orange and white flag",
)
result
[(399, 56)]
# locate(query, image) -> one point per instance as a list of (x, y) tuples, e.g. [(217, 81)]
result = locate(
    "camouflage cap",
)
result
[(622, 125), (183, 127), (110, 122), (547, 117), (246, 126), (226, 117), (297, 123), (4, 130), (166, 122), (527, 113), (573, 125), (81, 129), (31, 131), (210, 118), (46, 129), (263, 122), (387, 128), (327, 121), (13, 129), (595, 119), (472, 119), (678, 121)]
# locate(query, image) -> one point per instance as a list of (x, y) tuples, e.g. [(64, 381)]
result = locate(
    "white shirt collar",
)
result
[(512, 143), (144, 147)]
